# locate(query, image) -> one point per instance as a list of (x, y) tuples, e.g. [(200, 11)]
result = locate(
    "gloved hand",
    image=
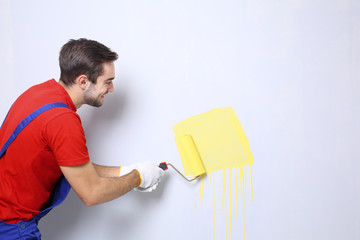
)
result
[(150, 174), (126, 169), (149, 189)]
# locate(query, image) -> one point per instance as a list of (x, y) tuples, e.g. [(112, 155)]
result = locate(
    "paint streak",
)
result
[(200, 185), (224, 201), (244, 203), (195, 200), (214, 141), (213, 185), (252, 196), (230, 203), (237, 194), (240, 177)]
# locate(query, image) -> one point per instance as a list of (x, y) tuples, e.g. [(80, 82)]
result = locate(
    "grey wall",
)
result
[(289, 69)]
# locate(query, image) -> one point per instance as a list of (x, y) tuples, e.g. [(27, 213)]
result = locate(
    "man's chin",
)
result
[(95, 103)]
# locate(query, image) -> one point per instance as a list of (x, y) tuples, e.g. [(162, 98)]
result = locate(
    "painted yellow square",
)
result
[(219, 138)]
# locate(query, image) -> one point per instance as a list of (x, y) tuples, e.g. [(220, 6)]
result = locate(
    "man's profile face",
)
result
[(94, 95)]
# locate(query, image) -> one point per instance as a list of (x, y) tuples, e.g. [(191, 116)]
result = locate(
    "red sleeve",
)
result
[(65, 136)]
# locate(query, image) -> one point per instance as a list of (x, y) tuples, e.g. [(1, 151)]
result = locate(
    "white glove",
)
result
[(126, 169), (150, 174), (149, 189)]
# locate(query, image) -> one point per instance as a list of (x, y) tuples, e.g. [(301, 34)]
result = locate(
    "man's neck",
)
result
[(73, 93)]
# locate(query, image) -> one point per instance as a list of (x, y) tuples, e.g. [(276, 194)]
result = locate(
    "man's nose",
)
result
[(111, 87)]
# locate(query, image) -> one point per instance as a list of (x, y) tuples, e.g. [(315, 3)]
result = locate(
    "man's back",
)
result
[(30, 168)]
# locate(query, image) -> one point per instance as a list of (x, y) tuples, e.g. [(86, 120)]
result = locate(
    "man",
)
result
[(43, 147)]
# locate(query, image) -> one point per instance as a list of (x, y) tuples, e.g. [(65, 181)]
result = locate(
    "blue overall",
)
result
[(28, 229)]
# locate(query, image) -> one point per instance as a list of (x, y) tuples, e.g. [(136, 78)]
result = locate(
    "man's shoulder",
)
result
[(40, 95)]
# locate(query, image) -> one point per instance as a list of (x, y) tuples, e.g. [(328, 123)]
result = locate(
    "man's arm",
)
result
[(105, 171), (94, 189)]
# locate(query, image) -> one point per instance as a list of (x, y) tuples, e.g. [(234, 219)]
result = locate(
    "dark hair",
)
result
[(83, 56)]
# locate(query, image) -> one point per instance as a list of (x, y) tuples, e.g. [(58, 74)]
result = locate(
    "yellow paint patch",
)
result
[(214, 141)]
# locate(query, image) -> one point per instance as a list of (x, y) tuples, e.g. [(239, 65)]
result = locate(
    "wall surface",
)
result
[(289, 69)]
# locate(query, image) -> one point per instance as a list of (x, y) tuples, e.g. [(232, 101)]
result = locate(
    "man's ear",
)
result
[(82, 81)]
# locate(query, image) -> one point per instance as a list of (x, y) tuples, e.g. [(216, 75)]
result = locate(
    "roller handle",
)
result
[(163, 166)]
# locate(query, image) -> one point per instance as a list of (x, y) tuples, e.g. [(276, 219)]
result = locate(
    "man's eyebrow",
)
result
[(110, 79)]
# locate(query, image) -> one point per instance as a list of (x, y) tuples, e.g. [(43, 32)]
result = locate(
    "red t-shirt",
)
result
[(30, 168)]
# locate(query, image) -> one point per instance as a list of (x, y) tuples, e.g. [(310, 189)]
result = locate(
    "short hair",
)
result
[(83, 56)]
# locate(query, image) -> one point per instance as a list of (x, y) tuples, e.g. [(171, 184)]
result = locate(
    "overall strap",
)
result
[(27, 120), (28, 229)]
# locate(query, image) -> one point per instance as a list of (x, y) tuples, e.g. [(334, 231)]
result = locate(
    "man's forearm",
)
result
[(105, 171), (111, 188), (93, 189)]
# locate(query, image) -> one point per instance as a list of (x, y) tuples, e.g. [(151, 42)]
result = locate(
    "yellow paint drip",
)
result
[(237, 194), (243, 188), (202, 188), (245, 176), (214, 141), (240, 176), (230, 204), (252, 197), (224, 201), (200, 184), (195, 200), (213, 185)]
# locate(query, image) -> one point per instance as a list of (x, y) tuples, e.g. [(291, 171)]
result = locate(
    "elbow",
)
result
[(89, 203), (89, 199)]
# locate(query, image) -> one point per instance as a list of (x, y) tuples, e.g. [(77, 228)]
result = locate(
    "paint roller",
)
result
[(190, 155)]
